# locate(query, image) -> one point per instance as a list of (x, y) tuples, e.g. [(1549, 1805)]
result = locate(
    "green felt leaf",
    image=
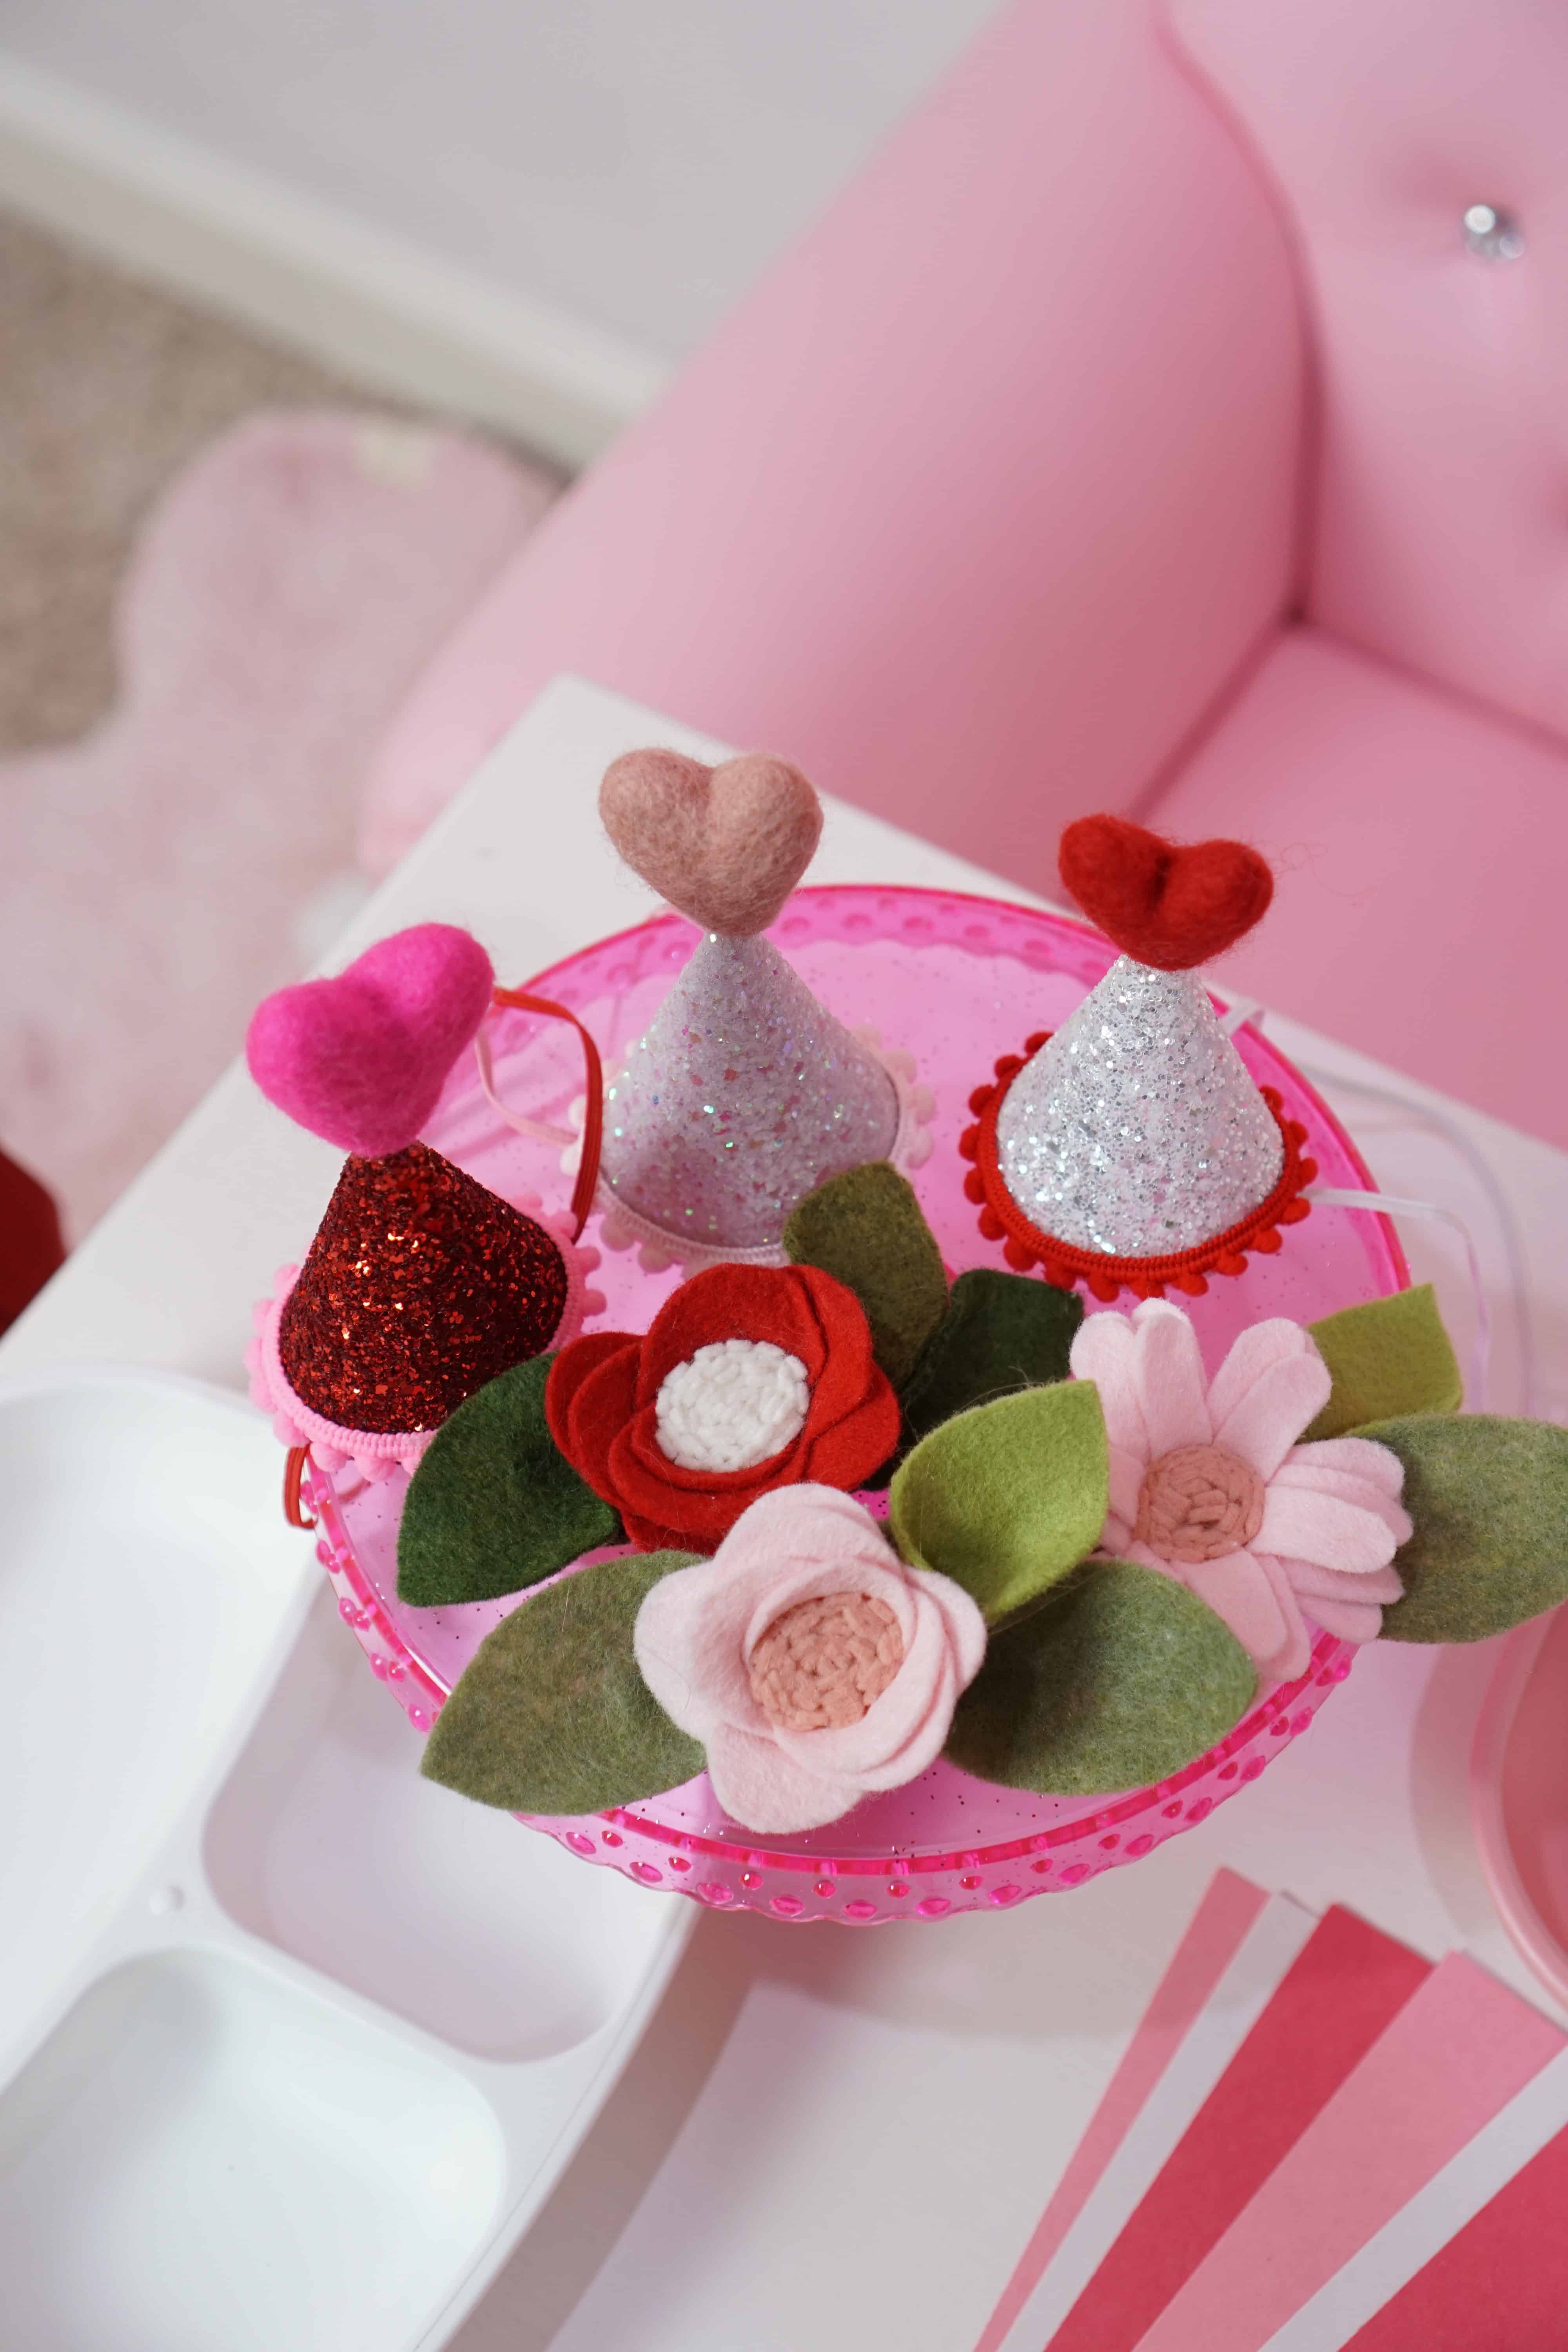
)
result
[(1007, 1498), (1391, 1356), (494, 1507), (865, 1229), (1120, 1679), (1489, 1500), (552, 1714), (1001, 1332)]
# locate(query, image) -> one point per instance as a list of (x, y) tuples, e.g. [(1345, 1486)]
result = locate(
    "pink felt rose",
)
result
[(1208, 1483), (814, 1667)]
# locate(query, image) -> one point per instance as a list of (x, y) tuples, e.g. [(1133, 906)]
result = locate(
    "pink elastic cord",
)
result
[(538, 1131)]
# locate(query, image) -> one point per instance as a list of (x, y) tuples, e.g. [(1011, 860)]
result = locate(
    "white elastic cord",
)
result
[(1388, 1205), (1242, 1010), (538, 1131)]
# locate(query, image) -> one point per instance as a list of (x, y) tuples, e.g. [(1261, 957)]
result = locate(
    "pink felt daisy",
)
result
[(1209, 1483), (814, 1667)]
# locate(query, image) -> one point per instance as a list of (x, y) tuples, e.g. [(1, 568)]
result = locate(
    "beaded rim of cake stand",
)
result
[(857, 1890)]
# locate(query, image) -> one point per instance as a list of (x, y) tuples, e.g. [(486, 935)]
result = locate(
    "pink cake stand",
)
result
[(955, 982)]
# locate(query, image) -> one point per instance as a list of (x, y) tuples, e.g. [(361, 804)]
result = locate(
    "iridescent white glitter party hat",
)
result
[(744, 1093), (1134, 1148)]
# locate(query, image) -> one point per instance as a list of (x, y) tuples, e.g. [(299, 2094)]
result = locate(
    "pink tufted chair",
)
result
[(1144, 428)]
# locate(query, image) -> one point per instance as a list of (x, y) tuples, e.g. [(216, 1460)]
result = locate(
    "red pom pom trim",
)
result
[(1064, 1265)]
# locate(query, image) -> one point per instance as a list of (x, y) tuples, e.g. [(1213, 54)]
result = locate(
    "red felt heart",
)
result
[(1162, 904), (725, 845), (362, 1059)]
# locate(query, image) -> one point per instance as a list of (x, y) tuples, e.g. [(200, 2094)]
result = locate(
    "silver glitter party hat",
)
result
[(1136, 1130), (743, 1095)]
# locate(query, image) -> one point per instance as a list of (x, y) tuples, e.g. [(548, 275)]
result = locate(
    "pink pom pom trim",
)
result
[(375, 1454)]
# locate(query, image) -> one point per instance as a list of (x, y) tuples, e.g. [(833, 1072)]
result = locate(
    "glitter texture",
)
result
[(421, 1285), (1136, 1130), (744, 1095)]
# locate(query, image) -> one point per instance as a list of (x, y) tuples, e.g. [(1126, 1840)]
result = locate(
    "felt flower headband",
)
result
[(1139, 1543)]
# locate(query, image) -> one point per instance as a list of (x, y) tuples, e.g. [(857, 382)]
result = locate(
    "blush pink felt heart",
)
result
[(725, 845), (1163, 904), (362, 1059)]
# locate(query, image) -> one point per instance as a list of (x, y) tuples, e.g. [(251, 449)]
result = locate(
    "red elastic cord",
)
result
[(594, 1120), (293, 1471)]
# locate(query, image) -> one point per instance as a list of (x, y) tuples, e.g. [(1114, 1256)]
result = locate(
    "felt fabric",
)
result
[(1489, 1502), (825, 1661), (1321, 1546), (865, 1229), (1007, 1498), (697, 1634), (362, 1059), (602, 1401), (1002, 1332), (725, 845), (1391, 1356), (31, 1246), (552, 1715), (1119, 1679), (493, 1507), (1170, 907)]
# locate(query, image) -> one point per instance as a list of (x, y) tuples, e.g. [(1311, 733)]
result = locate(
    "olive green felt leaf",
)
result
[(494, 1507), (1391, 1356), (865, 1229), (1001, 1332), (1120, 1679), (1489, 1500), (1007, 1498), (552, 1714)]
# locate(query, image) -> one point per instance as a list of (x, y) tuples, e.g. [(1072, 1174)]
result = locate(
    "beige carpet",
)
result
[(107, 388), (220, 570)]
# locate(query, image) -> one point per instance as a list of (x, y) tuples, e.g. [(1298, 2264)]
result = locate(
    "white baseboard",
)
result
[(357, 298)]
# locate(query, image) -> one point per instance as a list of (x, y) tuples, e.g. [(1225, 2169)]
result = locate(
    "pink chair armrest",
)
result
[(980, 499)]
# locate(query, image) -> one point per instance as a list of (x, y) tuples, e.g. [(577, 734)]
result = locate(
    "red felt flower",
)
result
[(602, 1401)]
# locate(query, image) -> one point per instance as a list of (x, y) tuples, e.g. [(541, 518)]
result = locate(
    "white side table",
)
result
[(834, 2139)]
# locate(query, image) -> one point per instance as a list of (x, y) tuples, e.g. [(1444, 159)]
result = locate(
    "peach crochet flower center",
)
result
[(1199, 1503), (821, 1663)]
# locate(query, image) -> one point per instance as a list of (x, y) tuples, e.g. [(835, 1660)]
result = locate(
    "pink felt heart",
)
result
[(725, 845), (362, 1059)]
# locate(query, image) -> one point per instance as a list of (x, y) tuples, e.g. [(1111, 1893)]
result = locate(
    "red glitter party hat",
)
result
[(420, 1286)]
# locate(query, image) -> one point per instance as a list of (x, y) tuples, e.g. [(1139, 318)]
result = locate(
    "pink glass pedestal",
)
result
[(955, 982)]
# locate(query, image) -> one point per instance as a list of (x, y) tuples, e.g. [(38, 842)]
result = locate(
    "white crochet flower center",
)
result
[(732, 1404)]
